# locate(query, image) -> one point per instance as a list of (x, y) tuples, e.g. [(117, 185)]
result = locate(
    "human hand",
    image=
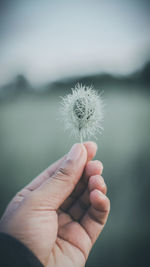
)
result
[(60, 214)]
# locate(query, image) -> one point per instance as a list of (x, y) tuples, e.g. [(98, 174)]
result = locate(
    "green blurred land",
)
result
[(32, 137)]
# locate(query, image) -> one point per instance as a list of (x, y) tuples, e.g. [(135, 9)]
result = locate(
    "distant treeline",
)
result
[(21, 85)]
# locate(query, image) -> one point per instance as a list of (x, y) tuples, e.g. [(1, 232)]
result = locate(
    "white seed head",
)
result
[(82, 111)]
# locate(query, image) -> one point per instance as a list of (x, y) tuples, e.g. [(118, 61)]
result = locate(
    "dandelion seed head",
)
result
[(82, 111)]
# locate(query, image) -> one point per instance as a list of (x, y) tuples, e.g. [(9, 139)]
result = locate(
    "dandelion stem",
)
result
[(81, 138)]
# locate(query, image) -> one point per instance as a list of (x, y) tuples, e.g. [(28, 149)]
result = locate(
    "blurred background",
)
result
[(46, 47)]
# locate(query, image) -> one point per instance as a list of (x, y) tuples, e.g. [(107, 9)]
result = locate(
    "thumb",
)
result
[(58, 187)]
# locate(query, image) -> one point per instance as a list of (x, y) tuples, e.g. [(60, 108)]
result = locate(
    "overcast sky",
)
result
[(48, 40)]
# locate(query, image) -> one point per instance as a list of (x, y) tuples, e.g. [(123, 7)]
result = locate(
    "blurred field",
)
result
[(32, 137)]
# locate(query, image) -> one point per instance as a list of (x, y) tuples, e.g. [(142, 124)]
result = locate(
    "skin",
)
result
[(61, 213)]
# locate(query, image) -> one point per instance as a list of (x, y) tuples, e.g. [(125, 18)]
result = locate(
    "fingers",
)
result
[(96, 216), (91, 168), (58, 187), (97, 182), (79, 208), (92, 222)]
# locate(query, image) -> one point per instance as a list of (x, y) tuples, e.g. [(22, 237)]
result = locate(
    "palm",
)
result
[(67, 250)]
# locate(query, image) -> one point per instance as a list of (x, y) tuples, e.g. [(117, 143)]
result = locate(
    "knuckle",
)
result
[(65, 175), (68, 168), (64, 172)]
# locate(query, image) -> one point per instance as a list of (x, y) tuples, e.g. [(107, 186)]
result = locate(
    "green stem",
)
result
[(81, 138)]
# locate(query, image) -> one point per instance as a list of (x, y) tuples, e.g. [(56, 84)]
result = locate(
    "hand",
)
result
[(60, 214)]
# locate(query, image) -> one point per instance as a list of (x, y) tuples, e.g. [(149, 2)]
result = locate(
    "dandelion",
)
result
[(82, 111)]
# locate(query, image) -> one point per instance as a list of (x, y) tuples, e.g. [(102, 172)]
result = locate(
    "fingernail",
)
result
[(75, 152)]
